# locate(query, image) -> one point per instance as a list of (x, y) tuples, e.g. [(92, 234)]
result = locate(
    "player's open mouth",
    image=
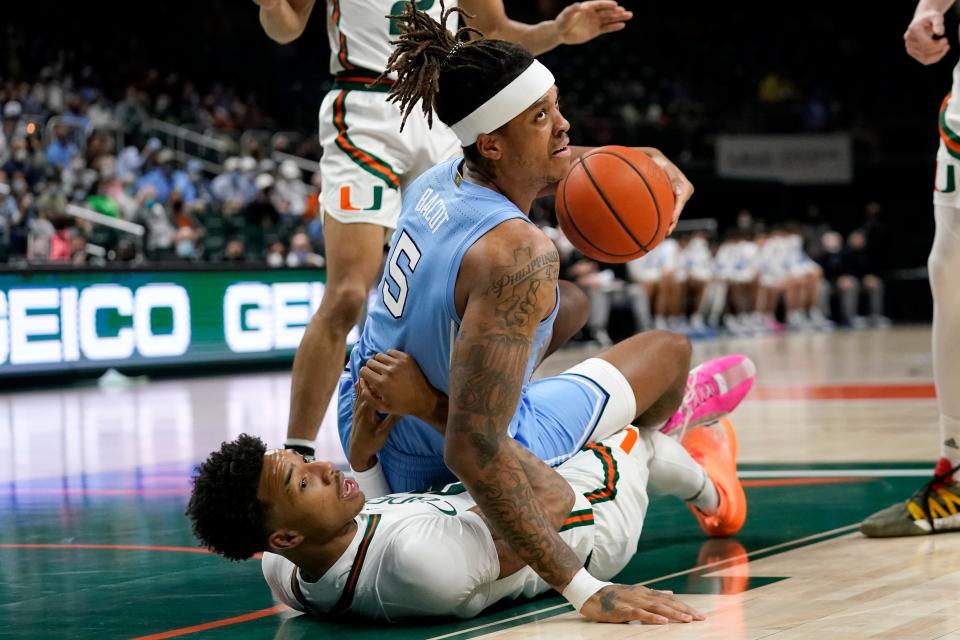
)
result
[(562, 152), (348, 488)]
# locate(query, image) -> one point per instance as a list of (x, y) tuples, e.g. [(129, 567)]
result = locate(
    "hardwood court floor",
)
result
[(93, 543)]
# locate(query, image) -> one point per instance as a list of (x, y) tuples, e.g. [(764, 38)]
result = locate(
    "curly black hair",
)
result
[(227, 516), (449, 73)]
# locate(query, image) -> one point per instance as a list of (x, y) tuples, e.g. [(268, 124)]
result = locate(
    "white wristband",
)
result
[(372, 482), (581, 588)]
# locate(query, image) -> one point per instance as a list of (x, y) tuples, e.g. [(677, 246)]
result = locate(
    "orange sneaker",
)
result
[(714, 447)]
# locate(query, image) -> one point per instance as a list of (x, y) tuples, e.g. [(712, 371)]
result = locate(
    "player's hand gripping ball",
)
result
[(615, 204)]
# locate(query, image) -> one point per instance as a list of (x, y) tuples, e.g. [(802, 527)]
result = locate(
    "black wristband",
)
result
[(305, 451)]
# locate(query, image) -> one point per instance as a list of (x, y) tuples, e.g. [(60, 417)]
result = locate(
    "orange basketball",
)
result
[(615, 204)]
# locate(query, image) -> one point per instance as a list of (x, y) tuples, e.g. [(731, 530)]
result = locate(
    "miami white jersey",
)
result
[(360, 33), (427, 554), (945, 190)]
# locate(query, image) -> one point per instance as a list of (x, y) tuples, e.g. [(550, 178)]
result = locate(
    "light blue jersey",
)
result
[(442, 217)]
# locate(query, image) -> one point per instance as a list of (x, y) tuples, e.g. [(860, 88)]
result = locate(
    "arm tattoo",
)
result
[(488, 371), (516, 288), (489, 366)]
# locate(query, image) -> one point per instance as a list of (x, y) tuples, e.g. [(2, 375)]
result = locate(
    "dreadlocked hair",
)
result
[(448, 73), (227, 516)]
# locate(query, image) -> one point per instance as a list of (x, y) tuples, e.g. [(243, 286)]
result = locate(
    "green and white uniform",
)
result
[(366, 159), (426, 554)]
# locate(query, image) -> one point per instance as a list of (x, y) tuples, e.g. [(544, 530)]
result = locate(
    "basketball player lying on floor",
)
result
[(434, 554), (470, 291)]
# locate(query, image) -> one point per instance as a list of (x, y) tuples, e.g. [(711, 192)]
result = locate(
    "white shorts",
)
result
[(367, 160), (744, 275), (616, 496), (946, 191), (701, 274), (772, 279)]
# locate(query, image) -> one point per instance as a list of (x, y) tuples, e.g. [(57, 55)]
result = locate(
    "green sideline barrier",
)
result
[(56, 322)]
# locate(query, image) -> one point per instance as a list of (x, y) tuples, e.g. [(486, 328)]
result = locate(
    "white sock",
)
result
[(673, 472), (950, 441)]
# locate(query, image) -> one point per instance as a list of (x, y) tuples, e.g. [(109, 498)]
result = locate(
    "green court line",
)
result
[(834, 473), (812, 466)]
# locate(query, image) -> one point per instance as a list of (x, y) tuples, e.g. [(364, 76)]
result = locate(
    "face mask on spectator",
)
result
[(19, 186), (20, 155), (185, 249)]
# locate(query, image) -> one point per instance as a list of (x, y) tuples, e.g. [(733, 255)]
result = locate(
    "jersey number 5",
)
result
[(396, 277), (422, 5)]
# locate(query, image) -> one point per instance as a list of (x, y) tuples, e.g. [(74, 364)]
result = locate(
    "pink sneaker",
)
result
[(714, 389)]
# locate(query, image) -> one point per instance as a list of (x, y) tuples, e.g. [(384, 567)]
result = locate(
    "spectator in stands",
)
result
[(78, 248), (19, 161), (301, 252), (276, 253), (131, 114), (161, 177), (160, 231), (233, 189), (193, 187), (61, 150), (10, 216), (186, 244), (289, 193), (9, 128), (39, 238), (129, 163), (128, 251), (260, 216), (60, 241), (235, 251)]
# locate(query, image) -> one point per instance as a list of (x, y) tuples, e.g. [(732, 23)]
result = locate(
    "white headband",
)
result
[(508, 103)]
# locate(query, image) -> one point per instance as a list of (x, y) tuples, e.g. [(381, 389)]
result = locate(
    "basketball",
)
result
[(615, 204)]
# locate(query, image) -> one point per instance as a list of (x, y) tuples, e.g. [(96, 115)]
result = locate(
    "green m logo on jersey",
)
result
[(422, 5)]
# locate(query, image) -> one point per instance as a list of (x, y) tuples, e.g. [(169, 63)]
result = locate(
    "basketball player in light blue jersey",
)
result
[(470, 292)]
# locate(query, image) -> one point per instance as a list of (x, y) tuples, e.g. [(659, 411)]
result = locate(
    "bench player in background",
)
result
[(936, 506), (367, 161)]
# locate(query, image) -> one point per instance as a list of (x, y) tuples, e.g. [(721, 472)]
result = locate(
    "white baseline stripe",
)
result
[(811, 538), (836, 473)]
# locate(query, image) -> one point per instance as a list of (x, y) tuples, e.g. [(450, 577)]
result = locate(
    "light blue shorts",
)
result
[(555, 418)]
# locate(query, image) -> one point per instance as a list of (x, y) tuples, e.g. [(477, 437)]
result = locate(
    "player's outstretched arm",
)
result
[(576, 24), (509, 281), (284, 20), (923, 38)]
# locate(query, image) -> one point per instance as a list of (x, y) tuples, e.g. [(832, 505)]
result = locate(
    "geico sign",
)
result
[(262, 317), (40, 326)]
